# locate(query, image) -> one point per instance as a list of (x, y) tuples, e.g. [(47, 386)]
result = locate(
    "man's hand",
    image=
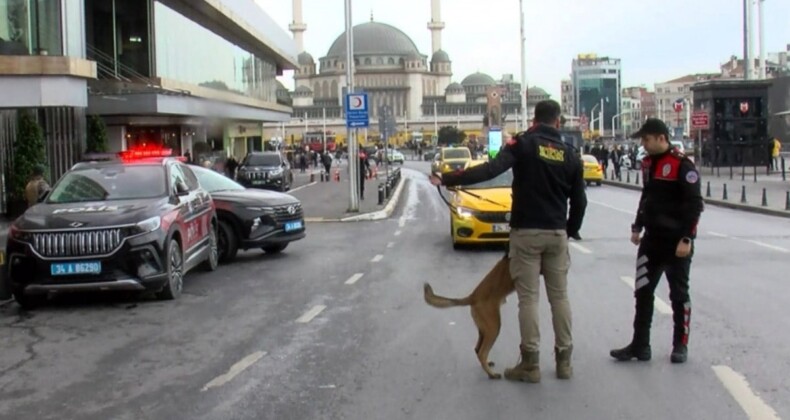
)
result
[(574, 236), (636, 238), (683, 250), (435, 180)]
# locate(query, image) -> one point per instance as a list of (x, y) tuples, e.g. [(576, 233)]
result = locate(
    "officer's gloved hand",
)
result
[(575, 236)]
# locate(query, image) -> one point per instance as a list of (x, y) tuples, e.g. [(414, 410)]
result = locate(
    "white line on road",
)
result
[(390, 244), (612, 207), (377, 258), (739, 388), (397, 233), (769, 246), (234, 370), (353, 279), (658, 303), (312, 313), (402, 221), (303, 186), (720, 235), (580, 248)]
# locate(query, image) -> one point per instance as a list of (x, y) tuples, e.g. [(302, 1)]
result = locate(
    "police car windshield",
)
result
[(212, 181), (119, 182), (504, 180), (262, 160), (457, 154)]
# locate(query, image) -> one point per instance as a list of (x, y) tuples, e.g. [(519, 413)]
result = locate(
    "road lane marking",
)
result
[(377, 258), (717, 234), (402, 221), (397, 233), (234, 370), (303, 186), (739, 388), (633, 213), (765, 245), (312, 313), (658, 303), (580, 248), (390, 244), (353, 279)]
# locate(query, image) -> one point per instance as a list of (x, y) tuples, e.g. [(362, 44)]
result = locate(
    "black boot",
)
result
[(640, 352), (679, 353)]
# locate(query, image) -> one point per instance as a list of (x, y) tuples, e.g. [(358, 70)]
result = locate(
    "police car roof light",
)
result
[(143, 153)]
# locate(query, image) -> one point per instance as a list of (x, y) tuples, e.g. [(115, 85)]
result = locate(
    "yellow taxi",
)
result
[(593, 171), (451, 159), (482, 213)]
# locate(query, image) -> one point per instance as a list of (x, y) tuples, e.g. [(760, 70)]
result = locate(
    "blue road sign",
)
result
[(357, 110)]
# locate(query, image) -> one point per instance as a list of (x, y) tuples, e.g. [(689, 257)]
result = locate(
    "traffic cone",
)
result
[(337, 175)]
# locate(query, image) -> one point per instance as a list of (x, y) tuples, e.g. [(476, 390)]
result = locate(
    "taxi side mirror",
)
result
[(181, 189)]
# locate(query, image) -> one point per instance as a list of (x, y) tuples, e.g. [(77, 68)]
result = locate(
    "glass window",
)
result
[(183, 48), (30, 27), (460, 153), (121, 182), (269, 159), (212, 181), (192, 181)]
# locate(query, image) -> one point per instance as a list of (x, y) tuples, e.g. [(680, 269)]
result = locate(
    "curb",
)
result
[(380, 214), (714, 202)]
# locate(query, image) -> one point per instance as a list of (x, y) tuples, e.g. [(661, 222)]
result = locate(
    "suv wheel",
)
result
[(175, 272), (275, 249), (213, 250), (227, 242)]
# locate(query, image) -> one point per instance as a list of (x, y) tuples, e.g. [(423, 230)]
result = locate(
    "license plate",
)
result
[(72, 268), (501, 227), (258, 182), (290, 226)]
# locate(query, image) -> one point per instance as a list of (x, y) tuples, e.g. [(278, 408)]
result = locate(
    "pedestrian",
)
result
[(327, 161), (364, 167), (776, 149), (669, 209), (547, 173), (37, 187)]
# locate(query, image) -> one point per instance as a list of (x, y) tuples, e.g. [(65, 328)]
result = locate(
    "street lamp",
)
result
[(524, 103), (592, 119)]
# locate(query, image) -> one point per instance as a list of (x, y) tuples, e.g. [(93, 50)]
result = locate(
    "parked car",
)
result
[(130, 225), (395, 156), (265, 170), (593, 171), (251, 218)]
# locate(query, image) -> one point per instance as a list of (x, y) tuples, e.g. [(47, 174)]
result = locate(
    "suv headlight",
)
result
[(149, 225), (17, 234), (276, 172), (264, 210)]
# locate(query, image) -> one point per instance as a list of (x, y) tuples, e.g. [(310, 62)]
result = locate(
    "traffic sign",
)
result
[(699, 120), (357, 110)]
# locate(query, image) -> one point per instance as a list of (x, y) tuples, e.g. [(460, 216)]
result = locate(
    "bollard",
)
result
[(724, 194), (604, 174), (628, 177), (765, 199), (381, 194), (787, 200), (707, 190), (312, 176), (743, 194), (637, 178), (322, 176), (784, 176)]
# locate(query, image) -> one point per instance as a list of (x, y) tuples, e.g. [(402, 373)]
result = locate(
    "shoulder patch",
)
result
[(692, 177)]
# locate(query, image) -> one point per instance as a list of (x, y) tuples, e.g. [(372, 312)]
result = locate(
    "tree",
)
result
[(451, 135), (97, 135), (29, 151)]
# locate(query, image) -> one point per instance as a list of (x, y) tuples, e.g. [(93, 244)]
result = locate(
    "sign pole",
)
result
[(353, 160)]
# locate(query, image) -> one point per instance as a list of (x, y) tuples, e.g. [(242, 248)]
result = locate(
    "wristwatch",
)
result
[(686, 240)]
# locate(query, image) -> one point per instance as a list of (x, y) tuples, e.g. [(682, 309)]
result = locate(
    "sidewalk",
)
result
[(329, 201), (744, 194)]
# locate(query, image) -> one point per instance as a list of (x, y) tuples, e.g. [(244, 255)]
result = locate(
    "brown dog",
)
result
[(484, 301)]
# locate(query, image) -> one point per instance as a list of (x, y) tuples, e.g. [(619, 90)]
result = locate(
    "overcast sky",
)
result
[(657, 40)]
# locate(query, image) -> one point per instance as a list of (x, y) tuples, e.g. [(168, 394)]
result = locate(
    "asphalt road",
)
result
[(336, 328)]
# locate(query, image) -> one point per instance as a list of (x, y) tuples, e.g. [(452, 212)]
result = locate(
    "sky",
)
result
[(657, 40)]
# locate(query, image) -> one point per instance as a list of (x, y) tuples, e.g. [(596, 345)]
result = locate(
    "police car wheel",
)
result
[(175, 272), (212, 261), (227, 242)]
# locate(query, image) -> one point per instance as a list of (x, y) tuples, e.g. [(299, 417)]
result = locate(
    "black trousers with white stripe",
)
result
[(656, 256)]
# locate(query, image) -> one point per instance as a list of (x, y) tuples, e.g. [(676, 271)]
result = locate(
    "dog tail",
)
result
[(444, 302)]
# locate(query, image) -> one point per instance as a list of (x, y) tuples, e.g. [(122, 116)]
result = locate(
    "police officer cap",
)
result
[(652, 126)]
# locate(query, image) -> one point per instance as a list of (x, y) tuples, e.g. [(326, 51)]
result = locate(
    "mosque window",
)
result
[(368, 61), (391, 61)]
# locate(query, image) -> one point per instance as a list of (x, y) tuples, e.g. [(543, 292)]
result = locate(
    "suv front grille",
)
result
[(283, 214), (77, 244), (492, 216)]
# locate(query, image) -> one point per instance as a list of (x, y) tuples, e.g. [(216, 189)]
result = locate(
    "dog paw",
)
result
[(495, 376), (490, 364)]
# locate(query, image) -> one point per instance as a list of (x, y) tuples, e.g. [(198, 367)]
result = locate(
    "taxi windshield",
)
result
[(590, 159), (212, 181), (119, 182), (457, 153), (503, 180)]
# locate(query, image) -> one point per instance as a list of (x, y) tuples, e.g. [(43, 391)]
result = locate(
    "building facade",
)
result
[(596, 80)]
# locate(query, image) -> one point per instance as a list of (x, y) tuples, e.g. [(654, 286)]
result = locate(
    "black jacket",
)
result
[(671, 201), (547, 172)]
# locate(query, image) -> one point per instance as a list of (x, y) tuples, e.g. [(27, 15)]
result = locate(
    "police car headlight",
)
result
[(149, 225), (464, 212)]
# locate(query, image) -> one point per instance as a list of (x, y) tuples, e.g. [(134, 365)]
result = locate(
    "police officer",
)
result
[(669, 210), (547, 173)]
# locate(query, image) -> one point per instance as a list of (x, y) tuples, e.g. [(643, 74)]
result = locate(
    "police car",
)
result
[(138, 223)]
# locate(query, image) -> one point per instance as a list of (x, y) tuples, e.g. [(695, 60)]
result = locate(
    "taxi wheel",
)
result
[(175, 273), (275, 249), (227, 242), (598, 183), (213, 251)]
